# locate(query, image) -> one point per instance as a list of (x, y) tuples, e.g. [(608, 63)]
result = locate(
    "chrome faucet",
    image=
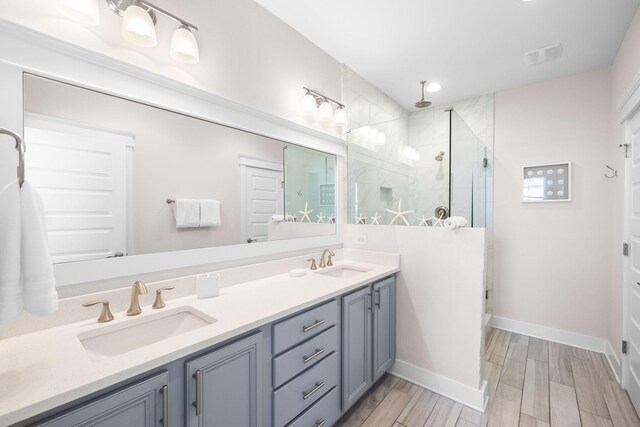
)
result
[(329, 263), (137, 289)]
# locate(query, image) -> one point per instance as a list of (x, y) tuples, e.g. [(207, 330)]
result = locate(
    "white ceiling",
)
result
[(471, 47)]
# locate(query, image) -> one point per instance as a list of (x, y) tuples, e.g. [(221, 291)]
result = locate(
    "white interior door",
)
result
[(631, 365), (80, 174), (264, 198)]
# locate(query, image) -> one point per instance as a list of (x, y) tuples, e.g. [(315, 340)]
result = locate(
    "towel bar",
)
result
[(20, 146), (169, 201)]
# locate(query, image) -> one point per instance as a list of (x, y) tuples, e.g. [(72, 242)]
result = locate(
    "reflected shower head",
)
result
[(423, 103), (440, 156)]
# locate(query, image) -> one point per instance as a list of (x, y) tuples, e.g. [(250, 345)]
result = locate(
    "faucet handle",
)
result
[(159, 302), (105, 314), (313, 264), (329, 261)]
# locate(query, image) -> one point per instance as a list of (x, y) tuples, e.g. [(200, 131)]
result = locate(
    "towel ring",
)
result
[(20, 146), (615, 173)]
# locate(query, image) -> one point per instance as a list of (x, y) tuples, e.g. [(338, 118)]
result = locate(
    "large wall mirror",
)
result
[(121, 178)]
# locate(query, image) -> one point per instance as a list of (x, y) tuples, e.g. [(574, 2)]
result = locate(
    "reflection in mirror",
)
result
[(120, 178)]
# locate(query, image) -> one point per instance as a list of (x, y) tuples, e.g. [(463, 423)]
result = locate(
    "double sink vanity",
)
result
[(270, 350)]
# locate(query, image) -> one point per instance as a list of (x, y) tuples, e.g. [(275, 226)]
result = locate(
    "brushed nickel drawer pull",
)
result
[(165, 406), (198, 402), (308, 394), (315, 354), (310, 327), (320, 423)]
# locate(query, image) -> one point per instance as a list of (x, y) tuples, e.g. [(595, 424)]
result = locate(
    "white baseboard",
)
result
[(574, 339), (614, 361), (468, 396)]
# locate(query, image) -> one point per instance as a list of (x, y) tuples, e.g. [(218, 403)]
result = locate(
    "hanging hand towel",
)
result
[(210, 213), (454, 222), (187, 213), (10, 290), (38, 282)]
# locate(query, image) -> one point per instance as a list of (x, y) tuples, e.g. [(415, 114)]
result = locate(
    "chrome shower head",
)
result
[(440, 156), (423, 103)]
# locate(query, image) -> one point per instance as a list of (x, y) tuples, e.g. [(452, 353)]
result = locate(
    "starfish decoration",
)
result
[(361, 219), (289, 218), (375, 218), (321, 218), (437, 222), (305, 213), (424, 221), (399, 214), (332, 219)]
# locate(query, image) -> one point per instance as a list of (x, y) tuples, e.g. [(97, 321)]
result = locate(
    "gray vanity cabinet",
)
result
[(384, 326), (141, 404), (368, 338), (224, 387)]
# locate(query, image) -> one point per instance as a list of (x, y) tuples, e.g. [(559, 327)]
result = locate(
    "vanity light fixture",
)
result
[(138, 24), (85, 12), (315, 101)]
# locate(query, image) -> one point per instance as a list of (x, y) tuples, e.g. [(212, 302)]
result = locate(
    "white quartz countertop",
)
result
[(42, 370)]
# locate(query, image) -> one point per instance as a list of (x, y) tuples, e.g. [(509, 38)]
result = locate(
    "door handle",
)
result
[(116, 255), (310, 327), (318, 352), (165, 406), (368, 301), (308, 394), (378, 298), (198, 402)]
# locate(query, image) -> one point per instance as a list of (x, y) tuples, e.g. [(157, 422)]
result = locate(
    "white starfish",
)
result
[(321, 218), (305, 213), (437, 222), (361, 219), (399, 214), (423, 221), (289, 218), (375, 218), (332, 219)]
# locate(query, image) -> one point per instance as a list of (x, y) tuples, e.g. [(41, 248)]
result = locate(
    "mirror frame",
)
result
[(26, 51)]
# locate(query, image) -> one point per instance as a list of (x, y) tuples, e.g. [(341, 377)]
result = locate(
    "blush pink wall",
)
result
[(553, 261), (624, 70)]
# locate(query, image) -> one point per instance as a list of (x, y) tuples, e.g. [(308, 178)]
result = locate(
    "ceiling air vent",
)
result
[(542, 55)]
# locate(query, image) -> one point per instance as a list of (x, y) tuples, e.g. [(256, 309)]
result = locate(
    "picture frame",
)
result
[(549, 182)]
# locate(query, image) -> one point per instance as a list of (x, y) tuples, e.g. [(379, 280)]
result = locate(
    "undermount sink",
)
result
[(343, 271), (113, 340)]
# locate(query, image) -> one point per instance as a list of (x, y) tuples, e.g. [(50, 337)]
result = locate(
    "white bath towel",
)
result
[(10, 290), (38, 281), (454, 222), (187, 213), (210, 213)]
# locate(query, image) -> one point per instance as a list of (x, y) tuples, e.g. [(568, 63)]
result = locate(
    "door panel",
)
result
[(384, 327), (264, 199), (80, 175), (356, 346)]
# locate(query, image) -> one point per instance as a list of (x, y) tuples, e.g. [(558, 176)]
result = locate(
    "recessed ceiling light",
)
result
[(433, 87)]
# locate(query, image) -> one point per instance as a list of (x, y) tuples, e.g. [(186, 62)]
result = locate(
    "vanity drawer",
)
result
[(323, 413), (305, 355), (305, 325), (296, 396)]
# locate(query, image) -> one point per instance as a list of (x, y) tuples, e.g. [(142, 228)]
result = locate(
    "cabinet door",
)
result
[(384, 326), (140, 404), (224, 387), (356, 345)]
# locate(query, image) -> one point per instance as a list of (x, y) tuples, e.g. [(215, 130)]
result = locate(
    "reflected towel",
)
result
[(454, 222), (10, 290), (38, 281), (210, 213), (187, 213)]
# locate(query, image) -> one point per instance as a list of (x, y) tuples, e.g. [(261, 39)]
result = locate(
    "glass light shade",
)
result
[(309, 103), (184, 46), (433, 87), (340, 116), (325, 111), (138, 28), (85, 12)]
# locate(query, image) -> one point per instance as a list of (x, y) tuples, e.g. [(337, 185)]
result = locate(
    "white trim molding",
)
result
[(468, 396), (630, 101), (574, 339)]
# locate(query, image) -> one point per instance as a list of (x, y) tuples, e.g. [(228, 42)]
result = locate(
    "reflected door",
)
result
[(80, 174), (631, 377), (264, 198)]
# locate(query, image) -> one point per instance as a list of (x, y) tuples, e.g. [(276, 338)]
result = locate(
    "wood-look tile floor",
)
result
[(532, 383)]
